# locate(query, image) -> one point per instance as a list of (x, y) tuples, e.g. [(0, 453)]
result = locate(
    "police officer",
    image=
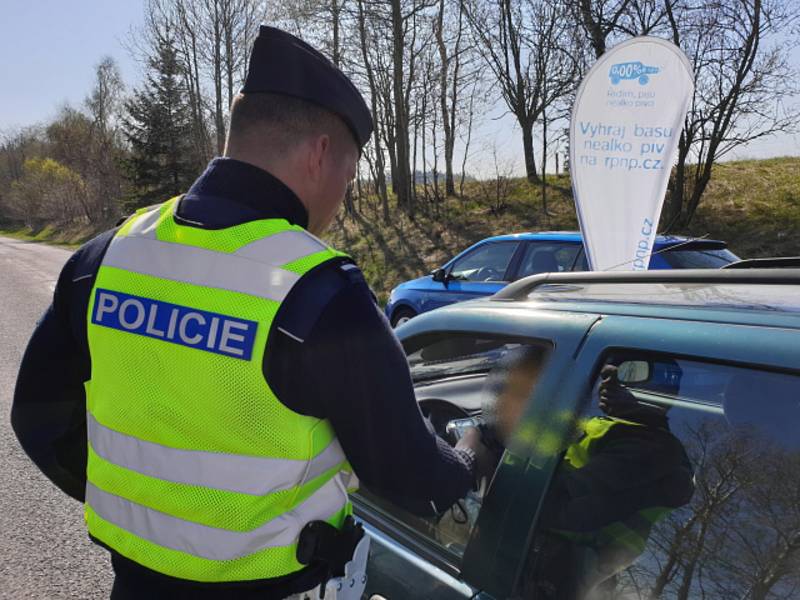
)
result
[(231, 372)]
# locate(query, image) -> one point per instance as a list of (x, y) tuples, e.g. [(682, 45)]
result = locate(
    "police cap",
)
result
[(284, 64)]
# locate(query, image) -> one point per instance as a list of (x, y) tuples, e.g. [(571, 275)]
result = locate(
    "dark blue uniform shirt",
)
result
[(330, 354)]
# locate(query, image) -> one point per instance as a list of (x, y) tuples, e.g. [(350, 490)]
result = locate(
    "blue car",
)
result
[(488, 266)]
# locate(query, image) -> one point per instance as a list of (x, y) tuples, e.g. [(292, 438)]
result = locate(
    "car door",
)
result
[(475, 548), (708, 507), (480, 272), (422, 557)]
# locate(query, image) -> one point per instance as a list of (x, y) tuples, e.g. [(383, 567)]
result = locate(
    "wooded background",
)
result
[(432, 72)]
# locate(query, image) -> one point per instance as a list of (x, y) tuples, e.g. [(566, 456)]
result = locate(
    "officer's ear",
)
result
[(318, 156)]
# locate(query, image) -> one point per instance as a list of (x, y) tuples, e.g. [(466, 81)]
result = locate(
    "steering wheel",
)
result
[(487, 274), (440, 413)]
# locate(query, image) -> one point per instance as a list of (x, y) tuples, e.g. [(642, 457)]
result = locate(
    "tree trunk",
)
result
[(596, 32), (544, 166), (402, 180), (449, 134), (527, 148), (678, 188), (335, 10), (219, 118), (380, 165)]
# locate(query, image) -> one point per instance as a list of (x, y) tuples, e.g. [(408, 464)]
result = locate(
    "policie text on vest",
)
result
[(203, 330)]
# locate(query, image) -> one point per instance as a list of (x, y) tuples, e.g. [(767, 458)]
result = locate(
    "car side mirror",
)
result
[(634, 371), (440, 275)]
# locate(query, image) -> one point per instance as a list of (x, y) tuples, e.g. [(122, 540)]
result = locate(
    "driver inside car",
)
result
[(623, 472), (507, 388)]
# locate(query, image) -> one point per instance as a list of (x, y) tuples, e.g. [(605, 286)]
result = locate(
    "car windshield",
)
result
[(456, 356), (487, 263), (681, 258)]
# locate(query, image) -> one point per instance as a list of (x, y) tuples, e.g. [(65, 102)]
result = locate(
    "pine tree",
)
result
[(158, 127)]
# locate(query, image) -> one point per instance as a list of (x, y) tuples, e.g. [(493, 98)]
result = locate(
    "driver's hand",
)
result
[(615, 398), (484, 459)]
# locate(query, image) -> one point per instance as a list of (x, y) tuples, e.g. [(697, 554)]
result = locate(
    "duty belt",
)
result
[(321, 542)]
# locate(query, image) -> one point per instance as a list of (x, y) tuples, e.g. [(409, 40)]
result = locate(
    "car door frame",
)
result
[(496, 550), (513, 264), (451, 296)]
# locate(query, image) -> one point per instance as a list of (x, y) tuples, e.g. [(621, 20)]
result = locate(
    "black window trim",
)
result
[(581, 253)]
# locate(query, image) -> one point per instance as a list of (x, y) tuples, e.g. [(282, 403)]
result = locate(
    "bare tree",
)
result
[(528, 47), (377, 150), (599, 19), (740, 535), (103, 176), (214, 38), (455, 76), (742, 79)]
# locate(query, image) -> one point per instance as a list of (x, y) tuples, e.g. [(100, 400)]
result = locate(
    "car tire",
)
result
[(401, 315)]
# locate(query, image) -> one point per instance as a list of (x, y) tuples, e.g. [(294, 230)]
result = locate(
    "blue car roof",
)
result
[(575, 236)]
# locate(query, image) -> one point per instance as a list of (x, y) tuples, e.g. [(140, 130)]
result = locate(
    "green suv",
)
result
[(701, 502)]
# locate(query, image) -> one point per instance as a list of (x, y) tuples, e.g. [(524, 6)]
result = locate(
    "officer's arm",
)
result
[(48, 413), (350, 368), (49, 410)]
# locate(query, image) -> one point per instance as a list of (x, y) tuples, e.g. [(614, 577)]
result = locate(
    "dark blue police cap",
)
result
[(283, 64)]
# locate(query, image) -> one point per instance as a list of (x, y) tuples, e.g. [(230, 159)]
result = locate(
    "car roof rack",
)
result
[(779, 262), (520, 289)]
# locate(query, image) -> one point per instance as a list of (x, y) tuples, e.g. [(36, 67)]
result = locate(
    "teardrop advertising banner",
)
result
[(624, 131)]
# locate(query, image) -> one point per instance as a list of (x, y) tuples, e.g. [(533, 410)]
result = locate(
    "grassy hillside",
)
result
[(71, 237), (753, 205)]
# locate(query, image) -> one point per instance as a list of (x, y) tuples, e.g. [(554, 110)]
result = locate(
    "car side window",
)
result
[(681, 481), (487, 263), (542, 257), (457, 380)]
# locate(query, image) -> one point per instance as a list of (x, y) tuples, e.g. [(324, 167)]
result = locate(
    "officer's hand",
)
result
[(615, 398), (484, 458)]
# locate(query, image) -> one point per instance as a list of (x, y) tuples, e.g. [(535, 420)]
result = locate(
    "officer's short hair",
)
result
[(283, 121)]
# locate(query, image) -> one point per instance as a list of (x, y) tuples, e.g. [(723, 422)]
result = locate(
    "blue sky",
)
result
[(50, 49)]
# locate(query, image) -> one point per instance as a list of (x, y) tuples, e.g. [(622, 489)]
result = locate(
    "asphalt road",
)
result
[(44, 551)]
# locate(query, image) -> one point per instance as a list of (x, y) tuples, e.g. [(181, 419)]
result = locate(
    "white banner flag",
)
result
[(624, 133)]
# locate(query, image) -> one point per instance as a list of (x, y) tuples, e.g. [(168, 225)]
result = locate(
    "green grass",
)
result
[(753, 205), (70, 237)]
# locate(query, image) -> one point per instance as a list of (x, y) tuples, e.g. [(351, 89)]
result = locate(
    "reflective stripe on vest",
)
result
[(196, 265), (211, 542), (196, 469), (243, 474)]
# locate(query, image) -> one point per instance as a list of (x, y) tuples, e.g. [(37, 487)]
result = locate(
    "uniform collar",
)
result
[(231, 192)]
